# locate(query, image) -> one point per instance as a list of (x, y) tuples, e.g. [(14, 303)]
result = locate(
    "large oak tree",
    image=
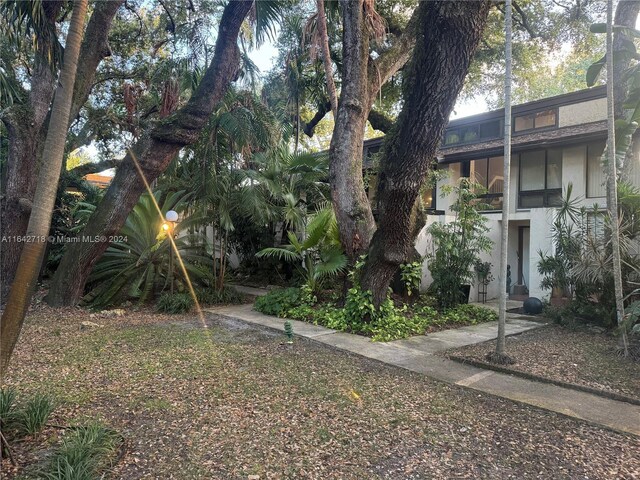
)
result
[(448, 35)]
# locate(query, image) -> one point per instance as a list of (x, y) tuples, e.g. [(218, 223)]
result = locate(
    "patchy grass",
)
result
[(230, 400), (576, 356)]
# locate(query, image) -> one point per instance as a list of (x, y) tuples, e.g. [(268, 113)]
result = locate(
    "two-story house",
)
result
[(555, 141)]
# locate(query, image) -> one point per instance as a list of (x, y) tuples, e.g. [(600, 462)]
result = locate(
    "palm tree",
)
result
[(44, 199), (500, 356), (318, 254), (139, 266)]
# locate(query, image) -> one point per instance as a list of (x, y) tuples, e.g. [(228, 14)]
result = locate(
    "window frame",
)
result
[(588, 193), (546, 192), (466, 173), (534, 128), (458, 130)]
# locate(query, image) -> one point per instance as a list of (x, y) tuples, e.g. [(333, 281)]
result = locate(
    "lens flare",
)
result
[(166, 227)]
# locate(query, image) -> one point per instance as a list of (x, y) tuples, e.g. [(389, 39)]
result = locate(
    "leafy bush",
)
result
[(215, 296), (359, 315), (84, 454), (411, 276), (175, 303), (32, 418), (457, 246), (278, 302)]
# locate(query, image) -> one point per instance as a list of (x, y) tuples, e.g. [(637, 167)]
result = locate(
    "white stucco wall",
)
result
[(539, 221)]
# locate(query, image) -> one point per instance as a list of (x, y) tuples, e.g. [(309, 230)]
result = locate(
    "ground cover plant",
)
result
[(233, 400), (394, 320), (38, 449)]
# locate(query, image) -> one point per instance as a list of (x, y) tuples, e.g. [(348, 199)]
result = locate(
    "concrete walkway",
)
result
[(416, 354)]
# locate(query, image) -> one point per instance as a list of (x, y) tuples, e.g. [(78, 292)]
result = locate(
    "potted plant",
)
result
[(457, 246)]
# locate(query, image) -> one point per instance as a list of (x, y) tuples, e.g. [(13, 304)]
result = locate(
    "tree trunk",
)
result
[(448, 35), (149, 157), (27, 128), (326, 57), (350, 202), (46, 189), (500, 353), (612, 181)]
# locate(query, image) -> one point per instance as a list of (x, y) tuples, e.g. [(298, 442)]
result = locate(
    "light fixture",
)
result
[(171, 216)]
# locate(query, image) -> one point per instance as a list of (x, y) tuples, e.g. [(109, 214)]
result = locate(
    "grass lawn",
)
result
[(576, 356), (230, 401)]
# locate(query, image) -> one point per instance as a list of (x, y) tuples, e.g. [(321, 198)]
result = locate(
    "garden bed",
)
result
[(231, 401), (394, 320), (575, 356)]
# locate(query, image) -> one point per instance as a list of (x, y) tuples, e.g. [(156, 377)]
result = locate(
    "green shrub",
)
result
[(411, 276), (32, 418), (85, 452), (175, 303), (279, 302), (214, 296), (470, 314)]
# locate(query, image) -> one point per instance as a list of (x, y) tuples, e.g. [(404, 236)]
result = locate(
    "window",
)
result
[(596, 177), (531, 121), (472, 133), (452, 137), (540, 179), (488, 172), (489, 130), (595, 225), (429, 198)]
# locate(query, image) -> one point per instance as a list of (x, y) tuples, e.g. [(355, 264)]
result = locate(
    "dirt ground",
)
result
[(224, 400), (580, 357)]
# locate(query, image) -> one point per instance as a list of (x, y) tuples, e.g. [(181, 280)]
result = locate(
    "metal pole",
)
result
[(171, 256)]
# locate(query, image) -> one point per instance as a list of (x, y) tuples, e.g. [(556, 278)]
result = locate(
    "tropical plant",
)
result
[(138, 265), (557, 268), (318, 255), (457, 245)]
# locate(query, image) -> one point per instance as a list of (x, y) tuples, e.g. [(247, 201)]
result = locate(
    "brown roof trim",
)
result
[(559, 136)]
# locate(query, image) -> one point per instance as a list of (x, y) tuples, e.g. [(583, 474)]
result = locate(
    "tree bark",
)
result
[(612, 181), (350, 202), (362, 78), (27, 128), (150, 156), (500, 352), (45, 195), (448, 35), (326, 57)]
